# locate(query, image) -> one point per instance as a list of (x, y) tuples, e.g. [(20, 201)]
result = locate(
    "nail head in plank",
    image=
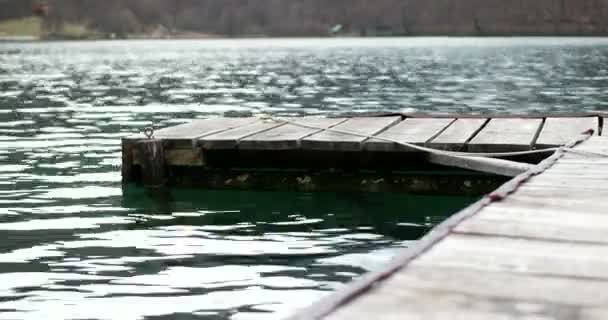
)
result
[(333, 141), (527, 256), (287, 136), (457, 134), (229, 139), (559, 131), (501, 135), (415, 131)]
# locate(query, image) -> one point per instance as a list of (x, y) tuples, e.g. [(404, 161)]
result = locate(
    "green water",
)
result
[(76, 245)]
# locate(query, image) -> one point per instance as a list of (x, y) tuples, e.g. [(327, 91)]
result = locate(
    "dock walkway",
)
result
[(536, 248)]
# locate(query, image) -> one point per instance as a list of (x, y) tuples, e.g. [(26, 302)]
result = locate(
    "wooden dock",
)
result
[(370, 153), (536, 248)]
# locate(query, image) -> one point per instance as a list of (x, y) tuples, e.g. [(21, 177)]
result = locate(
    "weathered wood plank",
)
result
[(527, 256), (559, 131), (127, 169), (186, 157), (457, 134), (574, 291), (502, 135), (153, 163), (229, 139), (500, 115), (187, 132), (393, 303), (287, 136), (551, 193), (577, 224), (415, 130), (533, 201), (329, 140), (460, 293), (594, 144)]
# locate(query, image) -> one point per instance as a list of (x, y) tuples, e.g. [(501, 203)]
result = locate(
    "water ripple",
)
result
[(79, 245)]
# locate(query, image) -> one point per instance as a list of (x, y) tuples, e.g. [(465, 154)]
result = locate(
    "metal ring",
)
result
[(149, 132)]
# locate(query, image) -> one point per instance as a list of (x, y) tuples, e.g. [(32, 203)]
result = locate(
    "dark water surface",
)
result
[(75, 245)]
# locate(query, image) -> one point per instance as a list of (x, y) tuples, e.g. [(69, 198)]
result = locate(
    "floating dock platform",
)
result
[(533, 248), (370, 153)]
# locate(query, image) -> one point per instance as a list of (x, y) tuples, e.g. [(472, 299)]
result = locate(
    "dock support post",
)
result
[(127, 170), (153, 164)]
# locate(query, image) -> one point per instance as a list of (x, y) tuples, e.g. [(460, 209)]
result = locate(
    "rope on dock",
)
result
[(589, 132), (482, 162), (421, 148)]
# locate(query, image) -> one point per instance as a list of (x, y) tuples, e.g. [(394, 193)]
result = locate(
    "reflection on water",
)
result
[(236, 255), (78, 245)]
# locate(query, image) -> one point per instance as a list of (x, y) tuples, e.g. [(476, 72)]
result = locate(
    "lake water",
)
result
[(76, 245)]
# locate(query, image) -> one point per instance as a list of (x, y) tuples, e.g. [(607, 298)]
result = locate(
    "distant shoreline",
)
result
[(224, 37), (8, 38)]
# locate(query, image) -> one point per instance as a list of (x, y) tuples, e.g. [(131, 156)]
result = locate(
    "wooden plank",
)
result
[(553, 193), (457, 293), (457, 134), (594, 144), (559, 131), (578, 224), (503, 135), (540, 201), (187, 132), (392, 303), (185, 157), (333, 141), (508, 285), (229, 139), (127, 169), (500, 115), (527, 256), (415, 130), (572, 183), (287, 136), (570, 161)]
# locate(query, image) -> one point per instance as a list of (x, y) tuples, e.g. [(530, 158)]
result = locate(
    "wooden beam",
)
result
[(505, 135), (489, 165), (152, 162), (559, 131)]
